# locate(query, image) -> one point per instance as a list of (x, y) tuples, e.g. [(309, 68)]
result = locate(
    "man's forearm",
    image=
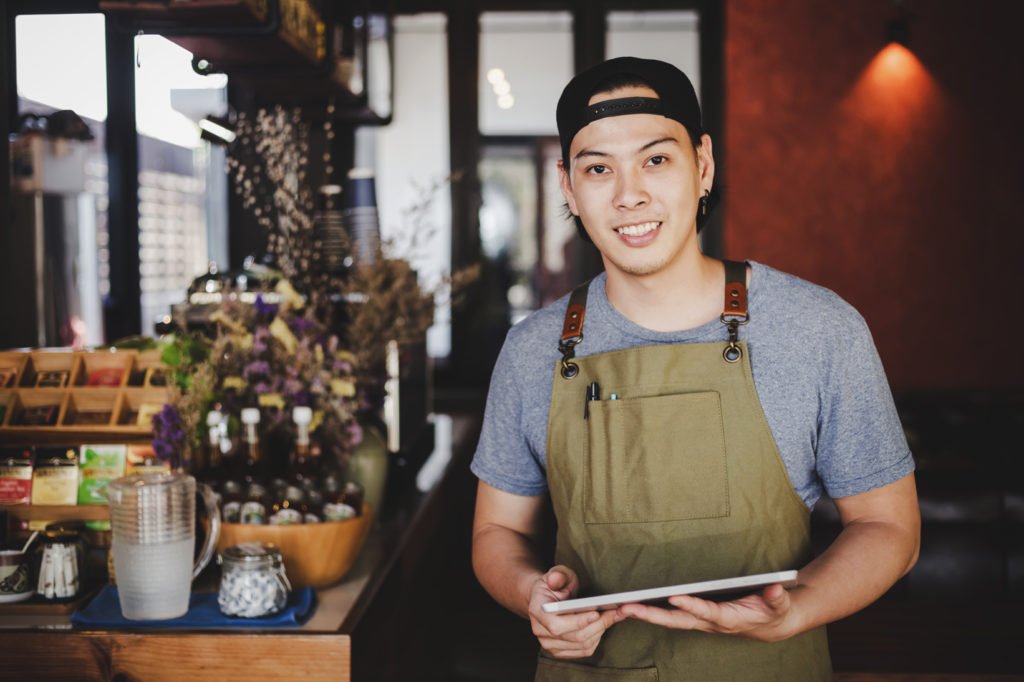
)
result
[(507, 564), (878, 545), (863, 562)]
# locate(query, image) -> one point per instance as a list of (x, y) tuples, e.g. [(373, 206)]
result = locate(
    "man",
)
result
[(683, 439)]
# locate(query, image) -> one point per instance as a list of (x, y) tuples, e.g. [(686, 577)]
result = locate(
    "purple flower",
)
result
[(261, 387), (258, 367), (168, 435), (263, 308), (355, 433), (301, 325)]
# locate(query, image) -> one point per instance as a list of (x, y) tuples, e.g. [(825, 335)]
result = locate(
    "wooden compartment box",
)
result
[(80, 413), (138, 405), (33, 408), (90, 407), (48, 369), (12, 366), (102, 369)]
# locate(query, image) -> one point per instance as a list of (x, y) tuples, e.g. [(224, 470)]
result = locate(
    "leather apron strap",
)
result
[(663, 470)]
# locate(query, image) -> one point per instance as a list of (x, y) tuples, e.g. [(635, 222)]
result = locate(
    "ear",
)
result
[(705, 163), (566, 186)]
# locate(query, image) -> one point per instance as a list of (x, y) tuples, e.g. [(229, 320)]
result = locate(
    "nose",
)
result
[(631, 190)]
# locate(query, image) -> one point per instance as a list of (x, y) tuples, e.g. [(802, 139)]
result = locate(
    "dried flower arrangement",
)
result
[(276, 357), (324, 345)]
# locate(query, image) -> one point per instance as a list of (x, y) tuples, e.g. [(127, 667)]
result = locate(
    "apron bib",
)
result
[(663, 470)]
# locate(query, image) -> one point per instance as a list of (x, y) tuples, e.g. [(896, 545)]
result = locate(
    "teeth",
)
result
[(637, 230)]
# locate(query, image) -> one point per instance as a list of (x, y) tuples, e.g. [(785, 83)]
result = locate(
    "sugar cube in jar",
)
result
[(253, 581)]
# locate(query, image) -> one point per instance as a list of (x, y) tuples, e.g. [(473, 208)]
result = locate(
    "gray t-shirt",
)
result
[(817, 373)]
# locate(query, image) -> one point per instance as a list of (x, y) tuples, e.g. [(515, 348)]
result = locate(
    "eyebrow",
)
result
[(652, 143)]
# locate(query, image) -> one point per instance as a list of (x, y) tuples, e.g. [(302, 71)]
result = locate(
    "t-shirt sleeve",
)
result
[(503, 455), (861, 444)]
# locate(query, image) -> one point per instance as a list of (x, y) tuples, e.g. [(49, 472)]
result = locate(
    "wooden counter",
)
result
[(359, 631)]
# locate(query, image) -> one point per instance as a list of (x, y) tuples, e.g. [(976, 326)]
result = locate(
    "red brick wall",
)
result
[(899, 187)]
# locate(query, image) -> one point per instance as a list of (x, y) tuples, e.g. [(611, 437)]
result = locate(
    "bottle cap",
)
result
[(302, 415), (251, 415), (213, 418)]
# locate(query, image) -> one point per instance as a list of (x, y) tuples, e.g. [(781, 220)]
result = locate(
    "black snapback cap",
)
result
[(676, 97)]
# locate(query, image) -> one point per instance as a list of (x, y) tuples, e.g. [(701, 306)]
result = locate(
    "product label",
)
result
[(286, 517), (15, 485), (100, 464), (55, 485), (231, 512), (253, 512), (142, 459), (338, 512)]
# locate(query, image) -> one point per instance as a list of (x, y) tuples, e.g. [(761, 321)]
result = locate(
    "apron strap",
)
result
[(572, 330), (734, 312)]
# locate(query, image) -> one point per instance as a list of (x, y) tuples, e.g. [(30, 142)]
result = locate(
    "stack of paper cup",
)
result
[(152, 519), (360, 214)]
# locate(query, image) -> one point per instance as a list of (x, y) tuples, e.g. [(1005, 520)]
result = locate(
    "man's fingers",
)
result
[(665, 617)]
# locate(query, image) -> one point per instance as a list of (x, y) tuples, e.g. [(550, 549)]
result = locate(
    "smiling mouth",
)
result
[(638, 230)]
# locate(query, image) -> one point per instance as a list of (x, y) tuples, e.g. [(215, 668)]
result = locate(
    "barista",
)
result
[(684, 415)]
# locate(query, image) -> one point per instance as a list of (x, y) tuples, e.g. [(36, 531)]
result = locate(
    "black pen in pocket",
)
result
[(593, 393)]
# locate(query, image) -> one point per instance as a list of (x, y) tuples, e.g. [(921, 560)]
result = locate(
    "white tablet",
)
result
[(743, 584)]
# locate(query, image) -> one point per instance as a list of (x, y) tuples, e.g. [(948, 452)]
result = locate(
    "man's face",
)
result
[(635, 182)]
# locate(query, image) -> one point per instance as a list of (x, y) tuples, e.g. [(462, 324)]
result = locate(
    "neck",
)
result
[(684, 296)]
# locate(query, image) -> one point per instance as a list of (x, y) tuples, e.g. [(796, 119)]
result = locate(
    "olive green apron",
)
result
[(662, 470)]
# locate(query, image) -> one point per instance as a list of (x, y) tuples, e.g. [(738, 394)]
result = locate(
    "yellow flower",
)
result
[(280, 331), (221, 317), (318, 419), (242, 341), (318, 354), (271, 400), (289, 297), (237, 383), (346, 389)]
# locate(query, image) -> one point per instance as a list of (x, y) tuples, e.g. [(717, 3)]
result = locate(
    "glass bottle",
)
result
[(254, 509), (231, 502), (287, 508), (336, 506), (303, 464), (313, 511), (206, 463), (251, 455)]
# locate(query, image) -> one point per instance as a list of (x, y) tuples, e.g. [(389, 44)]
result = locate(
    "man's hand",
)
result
[(573, 635), (766, 616)]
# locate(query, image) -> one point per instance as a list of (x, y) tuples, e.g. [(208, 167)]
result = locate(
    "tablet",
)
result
[(742, 585)]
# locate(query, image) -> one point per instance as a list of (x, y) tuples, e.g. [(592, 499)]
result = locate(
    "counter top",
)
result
[(357, 609)]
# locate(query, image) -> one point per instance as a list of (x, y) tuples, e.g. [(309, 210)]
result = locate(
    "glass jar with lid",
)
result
[(253, 581)]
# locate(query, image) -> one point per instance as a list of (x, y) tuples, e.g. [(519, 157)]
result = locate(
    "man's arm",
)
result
[(878, 545), (506, 528)]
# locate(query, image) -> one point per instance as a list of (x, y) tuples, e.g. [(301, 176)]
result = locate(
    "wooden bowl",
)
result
[(316, 554)]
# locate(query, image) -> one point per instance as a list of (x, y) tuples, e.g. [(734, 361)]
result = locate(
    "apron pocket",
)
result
[(556, 670), (657, 458)]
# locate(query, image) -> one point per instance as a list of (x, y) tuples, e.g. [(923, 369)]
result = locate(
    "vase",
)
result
[(368, 465)]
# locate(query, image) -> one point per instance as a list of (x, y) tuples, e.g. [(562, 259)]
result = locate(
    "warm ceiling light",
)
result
[(502, 88), (495, 75), (506, 101)]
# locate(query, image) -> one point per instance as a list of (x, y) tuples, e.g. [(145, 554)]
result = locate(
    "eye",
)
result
[(597, 169), (657, 160)]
